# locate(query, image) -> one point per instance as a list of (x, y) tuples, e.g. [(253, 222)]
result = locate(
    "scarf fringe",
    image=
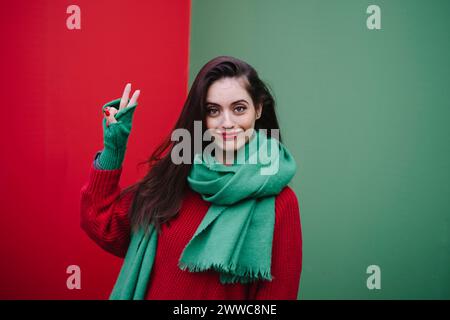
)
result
[(229, 274)]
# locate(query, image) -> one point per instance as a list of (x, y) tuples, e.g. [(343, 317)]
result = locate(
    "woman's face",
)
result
[(229, 113)]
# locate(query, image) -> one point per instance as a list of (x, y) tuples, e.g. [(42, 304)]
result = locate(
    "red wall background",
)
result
[(54, 83)]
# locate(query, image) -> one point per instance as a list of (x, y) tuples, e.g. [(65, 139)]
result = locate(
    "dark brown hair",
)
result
[(158, 196)]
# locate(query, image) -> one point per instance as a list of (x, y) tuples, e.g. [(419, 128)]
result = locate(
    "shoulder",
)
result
[(287, 205), (286, 198)]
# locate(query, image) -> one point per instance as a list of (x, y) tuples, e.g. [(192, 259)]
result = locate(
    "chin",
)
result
[(230, 145)]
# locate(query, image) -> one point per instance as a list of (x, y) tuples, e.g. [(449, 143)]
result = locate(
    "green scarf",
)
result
[(235, 236)]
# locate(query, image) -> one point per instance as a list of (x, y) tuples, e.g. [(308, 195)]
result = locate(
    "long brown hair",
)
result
[(158, 196)]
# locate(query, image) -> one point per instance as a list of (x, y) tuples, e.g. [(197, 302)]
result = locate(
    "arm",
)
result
[(286, 252), (104, 214), (104, 217)]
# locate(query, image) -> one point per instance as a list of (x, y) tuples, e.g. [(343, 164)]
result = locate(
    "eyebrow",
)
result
[(237, 101)]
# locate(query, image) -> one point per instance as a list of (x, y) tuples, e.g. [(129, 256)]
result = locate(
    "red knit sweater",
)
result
[(104, 219)]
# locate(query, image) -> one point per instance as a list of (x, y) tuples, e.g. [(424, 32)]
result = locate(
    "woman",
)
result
[(214, 225)]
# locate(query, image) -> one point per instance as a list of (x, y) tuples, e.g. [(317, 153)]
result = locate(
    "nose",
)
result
[(227, 121)]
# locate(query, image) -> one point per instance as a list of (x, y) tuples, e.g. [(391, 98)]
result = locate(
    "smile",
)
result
[(229, 136)]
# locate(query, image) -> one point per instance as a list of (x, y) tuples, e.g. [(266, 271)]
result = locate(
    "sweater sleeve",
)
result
[(286, 252), (97, 162), (104, 215)]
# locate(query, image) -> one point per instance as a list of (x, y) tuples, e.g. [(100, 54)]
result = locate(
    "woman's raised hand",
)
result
[(110, 112), (117, 122)]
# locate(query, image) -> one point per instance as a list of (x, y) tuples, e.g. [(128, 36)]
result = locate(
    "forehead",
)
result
[(227, 90)]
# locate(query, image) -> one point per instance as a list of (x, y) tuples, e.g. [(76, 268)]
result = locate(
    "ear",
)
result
[(259, 111)]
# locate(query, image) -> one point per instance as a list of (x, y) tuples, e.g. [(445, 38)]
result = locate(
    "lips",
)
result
[(229, 136)]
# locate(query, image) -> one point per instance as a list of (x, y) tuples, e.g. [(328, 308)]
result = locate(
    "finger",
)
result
[(125, 95), (109, 115), (134, 98)]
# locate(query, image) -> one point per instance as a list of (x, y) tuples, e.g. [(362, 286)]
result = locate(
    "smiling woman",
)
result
[(229, 123), (201, 230)]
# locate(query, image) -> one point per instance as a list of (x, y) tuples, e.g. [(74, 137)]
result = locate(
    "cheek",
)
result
[(247, 122), (210, 123)]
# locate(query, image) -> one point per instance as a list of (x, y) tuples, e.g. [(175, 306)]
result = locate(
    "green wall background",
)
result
[(365, 113)]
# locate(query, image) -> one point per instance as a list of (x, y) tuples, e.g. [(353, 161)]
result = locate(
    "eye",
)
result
[(211, 111), (240, 109)]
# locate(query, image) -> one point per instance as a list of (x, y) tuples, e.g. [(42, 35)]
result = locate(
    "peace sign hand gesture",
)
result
[(110, 109), (117, 121)]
